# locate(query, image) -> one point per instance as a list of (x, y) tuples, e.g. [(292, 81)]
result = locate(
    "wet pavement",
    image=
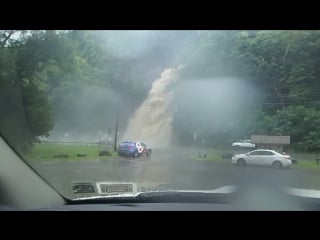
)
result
[(171, 168)]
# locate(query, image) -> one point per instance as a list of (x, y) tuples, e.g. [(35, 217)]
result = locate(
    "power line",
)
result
[(287, 96), (269, 102)]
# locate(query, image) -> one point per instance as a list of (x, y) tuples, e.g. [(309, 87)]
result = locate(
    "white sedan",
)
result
[(244, 144), (262, 157)]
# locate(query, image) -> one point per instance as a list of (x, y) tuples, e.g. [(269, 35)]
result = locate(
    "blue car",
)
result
[(133, 149)]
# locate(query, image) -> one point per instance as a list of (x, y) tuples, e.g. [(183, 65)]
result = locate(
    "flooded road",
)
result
[(174, 168)]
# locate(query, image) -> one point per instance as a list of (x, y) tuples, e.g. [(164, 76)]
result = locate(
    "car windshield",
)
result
[(169, 110)]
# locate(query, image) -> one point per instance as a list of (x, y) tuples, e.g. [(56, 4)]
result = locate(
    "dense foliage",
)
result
[(70, 81)]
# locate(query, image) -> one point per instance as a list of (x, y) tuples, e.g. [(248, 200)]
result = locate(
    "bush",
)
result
[(105, 153)]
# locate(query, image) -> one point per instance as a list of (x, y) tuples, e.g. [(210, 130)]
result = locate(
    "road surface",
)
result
[(174, 168)]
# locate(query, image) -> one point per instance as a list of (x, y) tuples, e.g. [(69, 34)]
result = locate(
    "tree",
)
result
[(282, 65), (25, 64)]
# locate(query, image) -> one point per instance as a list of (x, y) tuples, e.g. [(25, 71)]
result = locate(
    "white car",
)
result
[(244, 144), (262, 157)]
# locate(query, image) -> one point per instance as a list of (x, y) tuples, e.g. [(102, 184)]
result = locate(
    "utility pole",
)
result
[(116, 133), (195, 138), (100, 139)]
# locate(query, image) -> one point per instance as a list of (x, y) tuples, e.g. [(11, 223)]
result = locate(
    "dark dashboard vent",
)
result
[(83, 188)]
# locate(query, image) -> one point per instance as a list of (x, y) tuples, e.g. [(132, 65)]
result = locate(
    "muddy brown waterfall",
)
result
[(151, 122)]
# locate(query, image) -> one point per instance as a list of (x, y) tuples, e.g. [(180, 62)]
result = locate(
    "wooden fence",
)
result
[(77, 143)]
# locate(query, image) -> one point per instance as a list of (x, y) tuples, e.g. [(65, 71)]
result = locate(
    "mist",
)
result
[(80, 114), (81, 110), (208, 107), (136, 43), (212, 107), (151, 50), (127, 44)]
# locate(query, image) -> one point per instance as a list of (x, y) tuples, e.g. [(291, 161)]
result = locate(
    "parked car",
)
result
[(133, 149), (262, 157), (244, 143)]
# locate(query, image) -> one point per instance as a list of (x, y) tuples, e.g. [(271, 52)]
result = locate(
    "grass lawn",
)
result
[(305, 160), (47, 151), (213, 155), (307, 164)]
